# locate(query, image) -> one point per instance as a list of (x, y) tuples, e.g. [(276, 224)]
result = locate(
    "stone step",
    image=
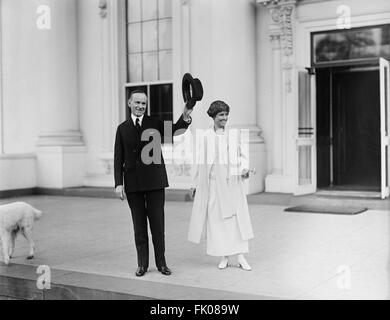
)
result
[(19, 282)]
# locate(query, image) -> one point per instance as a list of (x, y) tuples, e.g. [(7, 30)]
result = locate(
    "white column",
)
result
[(113, 77), (233, 74), (60, 147), (276, 106), (1, 84), (281, 36), (111, 74), (275, 182), (178, 168), (108, 32)]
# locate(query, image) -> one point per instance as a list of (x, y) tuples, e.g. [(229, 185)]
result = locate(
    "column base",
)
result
[(279, 183), (99, 180), (101, 175), (60, 166), (62, 138), (257, 161), (17, 171)]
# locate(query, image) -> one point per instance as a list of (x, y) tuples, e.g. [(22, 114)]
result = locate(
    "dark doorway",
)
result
[(348, 128)]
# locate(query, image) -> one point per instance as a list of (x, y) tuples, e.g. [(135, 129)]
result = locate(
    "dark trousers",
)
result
[(148, 205)]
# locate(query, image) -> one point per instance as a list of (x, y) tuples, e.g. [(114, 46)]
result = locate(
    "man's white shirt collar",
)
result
[(135, 118)]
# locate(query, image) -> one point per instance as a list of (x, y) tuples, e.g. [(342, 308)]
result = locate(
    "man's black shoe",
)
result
[(140, 271), (165, 270)]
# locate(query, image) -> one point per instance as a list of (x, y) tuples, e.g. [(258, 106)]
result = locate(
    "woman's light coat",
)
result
[(232, 196)]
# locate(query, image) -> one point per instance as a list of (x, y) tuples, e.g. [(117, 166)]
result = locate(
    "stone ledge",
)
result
[(17, 156), (18, 281), (17, 193), (89, 192)]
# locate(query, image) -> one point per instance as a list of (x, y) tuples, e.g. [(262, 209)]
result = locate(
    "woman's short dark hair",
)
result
[(217, 107)]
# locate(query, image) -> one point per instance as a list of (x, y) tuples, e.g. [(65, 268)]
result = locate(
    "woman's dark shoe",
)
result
[(141, 271), (165, 270)]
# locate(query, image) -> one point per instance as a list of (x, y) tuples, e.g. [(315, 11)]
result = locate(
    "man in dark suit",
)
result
[(144, 176)]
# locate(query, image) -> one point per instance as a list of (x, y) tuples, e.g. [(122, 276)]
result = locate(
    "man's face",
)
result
[(138, 103)]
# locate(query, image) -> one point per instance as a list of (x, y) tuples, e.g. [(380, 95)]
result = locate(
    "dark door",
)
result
[(356, 129), (348, 128)]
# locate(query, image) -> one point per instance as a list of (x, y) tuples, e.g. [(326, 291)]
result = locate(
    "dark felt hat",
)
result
[(192, 90)]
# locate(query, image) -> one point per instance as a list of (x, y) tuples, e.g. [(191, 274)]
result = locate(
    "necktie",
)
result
[(138, 128)]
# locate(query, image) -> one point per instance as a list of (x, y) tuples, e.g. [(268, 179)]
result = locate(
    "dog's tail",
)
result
[(37, 214)]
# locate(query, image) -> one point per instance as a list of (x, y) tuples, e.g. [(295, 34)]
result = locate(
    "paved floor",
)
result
[(293, 255)]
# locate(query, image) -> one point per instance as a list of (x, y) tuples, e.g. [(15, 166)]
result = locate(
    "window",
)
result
[(350, 45), (160, 99), (149, 54)]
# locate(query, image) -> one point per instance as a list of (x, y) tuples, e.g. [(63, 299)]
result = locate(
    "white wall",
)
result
[(223, 57), (324, 15), (17, 171), (102, 75), (222, 54), (323, 10), (310, 16), (39, 68), (90, 81), (22, 75), (264, 81), (319, 16), (230, 52), (40, 82)]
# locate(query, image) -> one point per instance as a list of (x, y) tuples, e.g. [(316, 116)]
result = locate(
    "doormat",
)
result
[(326, 209)]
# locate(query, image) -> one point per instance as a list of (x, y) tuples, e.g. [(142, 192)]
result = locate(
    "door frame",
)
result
[(306, 136), (384, 89), (305, 178)]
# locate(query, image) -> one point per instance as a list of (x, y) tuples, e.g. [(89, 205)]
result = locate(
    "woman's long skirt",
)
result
[(223, 235)]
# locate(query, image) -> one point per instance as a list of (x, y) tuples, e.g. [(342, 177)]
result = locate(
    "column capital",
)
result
[(281, 13), (282, 21), (272, 3)]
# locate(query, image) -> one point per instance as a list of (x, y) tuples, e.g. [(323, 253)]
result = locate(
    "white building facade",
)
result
[(68, 66)]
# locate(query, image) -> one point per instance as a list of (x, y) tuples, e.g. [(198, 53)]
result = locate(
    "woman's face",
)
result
[(221, 118)]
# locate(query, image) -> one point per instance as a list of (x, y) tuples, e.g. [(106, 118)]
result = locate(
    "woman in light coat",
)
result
[(220, 202)]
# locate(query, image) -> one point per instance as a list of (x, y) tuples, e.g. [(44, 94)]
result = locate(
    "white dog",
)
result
[(14, 218)]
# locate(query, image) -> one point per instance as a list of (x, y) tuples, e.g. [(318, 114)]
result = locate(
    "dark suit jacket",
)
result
[(128, 165)]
